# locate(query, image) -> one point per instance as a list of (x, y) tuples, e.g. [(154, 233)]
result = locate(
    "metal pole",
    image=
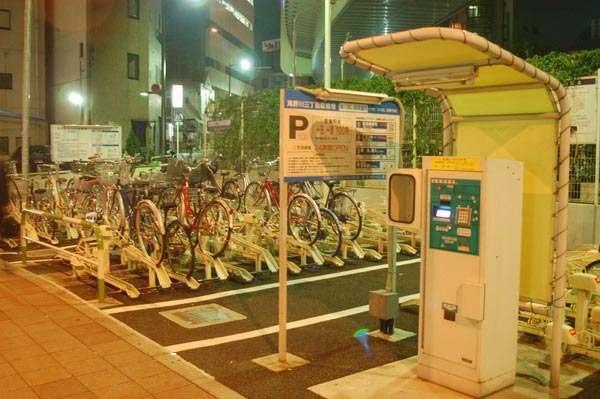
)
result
[(26, 91), (163, 79), (414, 136), (177, 138), (294, 50), (242, 133), (229, 80), (597, 160), (283, 223), (327, 44)]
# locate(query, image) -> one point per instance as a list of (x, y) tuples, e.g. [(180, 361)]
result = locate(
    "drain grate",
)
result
[(202, 315)]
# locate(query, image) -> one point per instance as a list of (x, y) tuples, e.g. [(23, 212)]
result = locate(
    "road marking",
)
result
[(186, 346), (217, 295)]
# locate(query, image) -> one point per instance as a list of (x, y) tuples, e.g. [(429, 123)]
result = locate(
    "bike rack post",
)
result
[(23, 231), (103, 238)]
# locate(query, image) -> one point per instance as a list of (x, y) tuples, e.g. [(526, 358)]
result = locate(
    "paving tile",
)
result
[(72, 356), (34, 363), (15, 342), (44, 376), (111, 348), (100, 338), (163, 382), (138, 370), (87, 366), (129, 390), (106, 378), (23, 352), (9, 329), (61, 389), (6, 370), (126, 358), (23, 393), (85, 329), (187, 392), (11, 383), (62, 344)]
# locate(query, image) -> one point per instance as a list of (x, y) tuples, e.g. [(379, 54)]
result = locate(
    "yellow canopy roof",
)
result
[(493, 104), (477, 77)]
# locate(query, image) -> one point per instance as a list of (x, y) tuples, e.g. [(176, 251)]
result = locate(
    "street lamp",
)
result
[(244, 65)]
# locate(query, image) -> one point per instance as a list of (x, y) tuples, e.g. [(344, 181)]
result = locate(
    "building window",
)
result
[(4, 145), (6, 81), (595, 28), (133, 9), (474, 11), (133, 66), (5, 19)]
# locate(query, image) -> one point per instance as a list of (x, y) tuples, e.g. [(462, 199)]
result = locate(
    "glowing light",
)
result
[(245, 64), (75, 98)]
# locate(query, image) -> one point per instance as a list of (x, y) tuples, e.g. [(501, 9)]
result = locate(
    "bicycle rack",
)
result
[(249, 245), (131, 255), (249, 250), (92, 259)]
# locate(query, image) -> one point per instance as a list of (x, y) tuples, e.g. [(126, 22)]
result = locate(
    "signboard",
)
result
[(583, 100), (75, 142), (219, 125), (270, 46), (337, 140)]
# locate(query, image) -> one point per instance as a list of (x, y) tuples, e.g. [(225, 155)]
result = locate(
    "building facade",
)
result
[(104, 57), (11, 76)]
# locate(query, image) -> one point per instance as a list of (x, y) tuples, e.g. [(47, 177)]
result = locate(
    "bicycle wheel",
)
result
[(231, 194), (349, 214), (179, 250), (150, 229), (14, 198), (304, 219), (329, 241), (255, 197), (214, 228), (114, 211)]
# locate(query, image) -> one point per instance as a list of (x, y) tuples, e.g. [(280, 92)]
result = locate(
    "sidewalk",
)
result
[(55, 345)]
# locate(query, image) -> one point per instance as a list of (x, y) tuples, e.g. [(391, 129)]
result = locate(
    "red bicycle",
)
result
[(304, 218)]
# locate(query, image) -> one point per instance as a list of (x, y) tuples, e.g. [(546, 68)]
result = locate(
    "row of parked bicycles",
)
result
[(181, 213)]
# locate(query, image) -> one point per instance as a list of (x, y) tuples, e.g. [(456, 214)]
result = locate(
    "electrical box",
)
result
[(471, 250)]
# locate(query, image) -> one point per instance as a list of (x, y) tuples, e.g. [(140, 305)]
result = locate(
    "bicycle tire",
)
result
[(230, 192), (216, 212), (304, 229), (114, 211), (150, 230), (15, 199), (254, 197), (330, 233), (348, 213), (179, 250)]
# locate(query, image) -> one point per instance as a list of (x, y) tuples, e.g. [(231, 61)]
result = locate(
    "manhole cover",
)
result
[(202, 316)]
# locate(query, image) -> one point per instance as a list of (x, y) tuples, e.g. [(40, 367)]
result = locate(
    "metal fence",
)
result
[(582, 174)]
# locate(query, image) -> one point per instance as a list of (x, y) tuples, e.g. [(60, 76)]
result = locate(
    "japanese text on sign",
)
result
[(330, 139)]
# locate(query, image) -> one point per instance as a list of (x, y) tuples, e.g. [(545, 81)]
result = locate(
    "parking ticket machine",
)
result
[(469, 212)]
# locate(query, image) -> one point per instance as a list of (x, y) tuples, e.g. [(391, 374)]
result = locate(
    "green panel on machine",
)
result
[(455, 206)]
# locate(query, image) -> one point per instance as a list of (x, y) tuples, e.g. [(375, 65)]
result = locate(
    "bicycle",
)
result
[(201, 221), (304, 217), (126, 205), (341, 203)]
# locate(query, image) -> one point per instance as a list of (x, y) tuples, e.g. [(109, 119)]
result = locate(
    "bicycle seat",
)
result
[(87, 177), (262, 174), (40, 191), (331, 183), (224, 172), (61, 180)]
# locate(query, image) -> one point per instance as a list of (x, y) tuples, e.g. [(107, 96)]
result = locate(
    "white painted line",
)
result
[(186, 346), (217, 295)]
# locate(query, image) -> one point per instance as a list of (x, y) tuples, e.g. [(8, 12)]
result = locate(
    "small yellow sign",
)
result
[(467, 164)]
